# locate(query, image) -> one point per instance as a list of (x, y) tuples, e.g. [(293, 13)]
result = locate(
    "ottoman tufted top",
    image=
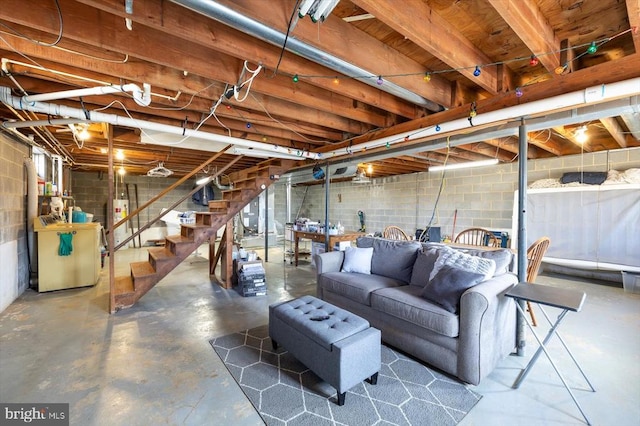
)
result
[(297, 314)]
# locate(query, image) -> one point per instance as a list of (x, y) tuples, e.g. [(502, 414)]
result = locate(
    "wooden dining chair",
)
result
[(394, 233), (535, 253), (477, 237)]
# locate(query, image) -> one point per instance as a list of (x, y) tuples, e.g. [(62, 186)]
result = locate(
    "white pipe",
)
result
[(296, 155), (140, 96), (32, 209), (95, 116), (5, 68), (588, 96)]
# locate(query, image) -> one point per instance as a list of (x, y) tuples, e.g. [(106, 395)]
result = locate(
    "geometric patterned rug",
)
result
[(285, 392)]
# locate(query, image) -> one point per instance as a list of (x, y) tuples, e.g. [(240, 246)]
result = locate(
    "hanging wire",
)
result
[(38, 42), (286, 38)]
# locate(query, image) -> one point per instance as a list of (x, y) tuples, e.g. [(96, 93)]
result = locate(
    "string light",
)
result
[(533, 60), (518, 92), (248, 125), (561, 69), (336, 80), (437, 127)]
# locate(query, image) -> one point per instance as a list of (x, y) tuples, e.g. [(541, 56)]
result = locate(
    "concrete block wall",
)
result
[(90, 193), (482, 197), (14, 258)]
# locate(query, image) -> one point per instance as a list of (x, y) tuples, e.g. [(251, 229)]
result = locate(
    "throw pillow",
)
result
[(393, 258), (357, 260), (451, 257), (423, 266), (448, 285)]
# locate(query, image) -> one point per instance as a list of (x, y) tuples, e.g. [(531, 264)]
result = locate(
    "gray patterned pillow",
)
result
[(467, 262), (448, 285)]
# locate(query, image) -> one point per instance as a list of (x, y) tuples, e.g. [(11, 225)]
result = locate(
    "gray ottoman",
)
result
[(338, 346)]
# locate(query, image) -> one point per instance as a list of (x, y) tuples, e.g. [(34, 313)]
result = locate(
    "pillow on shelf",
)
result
[(447, 286), (467, 262), (357, 260)]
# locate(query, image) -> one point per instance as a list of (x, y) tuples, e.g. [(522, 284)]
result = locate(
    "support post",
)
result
[(327, 182), (110, 235), (522, 229)]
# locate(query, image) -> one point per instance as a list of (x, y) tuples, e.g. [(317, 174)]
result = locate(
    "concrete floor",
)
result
[(152, 364)]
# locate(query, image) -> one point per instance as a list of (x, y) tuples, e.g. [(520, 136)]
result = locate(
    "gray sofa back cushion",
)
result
[(391, 258), (502, 257)]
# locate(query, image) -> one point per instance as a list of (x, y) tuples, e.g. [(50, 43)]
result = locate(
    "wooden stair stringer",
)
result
[(145, 275)]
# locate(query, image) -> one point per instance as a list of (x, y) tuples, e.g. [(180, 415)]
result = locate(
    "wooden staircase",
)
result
[(247, 185)]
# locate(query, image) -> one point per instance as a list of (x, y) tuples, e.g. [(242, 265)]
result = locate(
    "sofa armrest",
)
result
[(329, 262), (487, 327)]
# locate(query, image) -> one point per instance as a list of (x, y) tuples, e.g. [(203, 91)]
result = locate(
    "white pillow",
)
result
[(357, 259), (467, 262)]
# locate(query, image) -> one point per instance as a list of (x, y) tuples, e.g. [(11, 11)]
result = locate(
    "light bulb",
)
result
[(437, 127), (561, 69), (121, 171), (248, 125), (380, 80), (534, 61), (119, 155), (296, 78), (369, 169), (592, 48), (581, 135), (518, 92), (336, 80), (427, 77), (477, 71)]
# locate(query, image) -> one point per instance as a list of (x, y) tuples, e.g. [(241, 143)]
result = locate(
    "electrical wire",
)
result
[(435, 204), (38, 42), (286, 38)]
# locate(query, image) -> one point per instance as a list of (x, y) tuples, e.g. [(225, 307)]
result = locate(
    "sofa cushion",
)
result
[(451, 257), (406, 303), (394, 259), (448, 285), (425, 260), (357, 260), (354, 286)]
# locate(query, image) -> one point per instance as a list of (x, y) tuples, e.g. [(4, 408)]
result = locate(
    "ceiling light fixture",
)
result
[(317, 9), (481, 163), (581, 135), (250, 152)]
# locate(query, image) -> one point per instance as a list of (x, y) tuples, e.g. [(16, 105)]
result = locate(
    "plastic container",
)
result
[(631, 282), (79, 217)]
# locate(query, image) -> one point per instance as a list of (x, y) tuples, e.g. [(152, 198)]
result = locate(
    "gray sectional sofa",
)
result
[(444, 306)]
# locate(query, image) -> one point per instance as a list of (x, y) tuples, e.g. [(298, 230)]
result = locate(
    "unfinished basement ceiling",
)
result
[(373, 69)]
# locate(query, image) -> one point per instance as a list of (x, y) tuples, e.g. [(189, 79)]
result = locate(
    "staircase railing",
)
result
[(168, 190)]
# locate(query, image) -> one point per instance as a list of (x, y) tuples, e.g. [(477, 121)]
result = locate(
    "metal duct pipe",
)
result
[(256, 29), (632, 121), (99, 117)]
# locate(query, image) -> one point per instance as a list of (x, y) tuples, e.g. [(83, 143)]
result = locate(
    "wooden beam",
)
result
[(570, 136), (526, 20), (426, 28), (106, 31), (633, 12), (343, 40), (609, 72), (181, 22)]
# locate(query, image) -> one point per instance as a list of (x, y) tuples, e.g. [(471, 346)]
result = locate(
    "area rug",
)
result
[(285, 392)]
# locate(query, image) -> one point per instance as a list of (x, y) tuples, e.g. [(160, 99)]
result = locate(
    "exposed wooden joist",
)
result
[(615, 130), (341, 39), (633, 11), (429, 30), (526, 20)]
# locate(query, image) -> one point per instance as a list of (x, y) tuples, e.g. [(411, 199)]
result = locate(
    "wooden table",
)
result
[(320, 238)]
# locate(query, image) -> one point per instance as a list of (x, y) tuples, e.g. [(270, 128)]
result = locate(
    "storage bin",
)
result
[(631, 282)]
